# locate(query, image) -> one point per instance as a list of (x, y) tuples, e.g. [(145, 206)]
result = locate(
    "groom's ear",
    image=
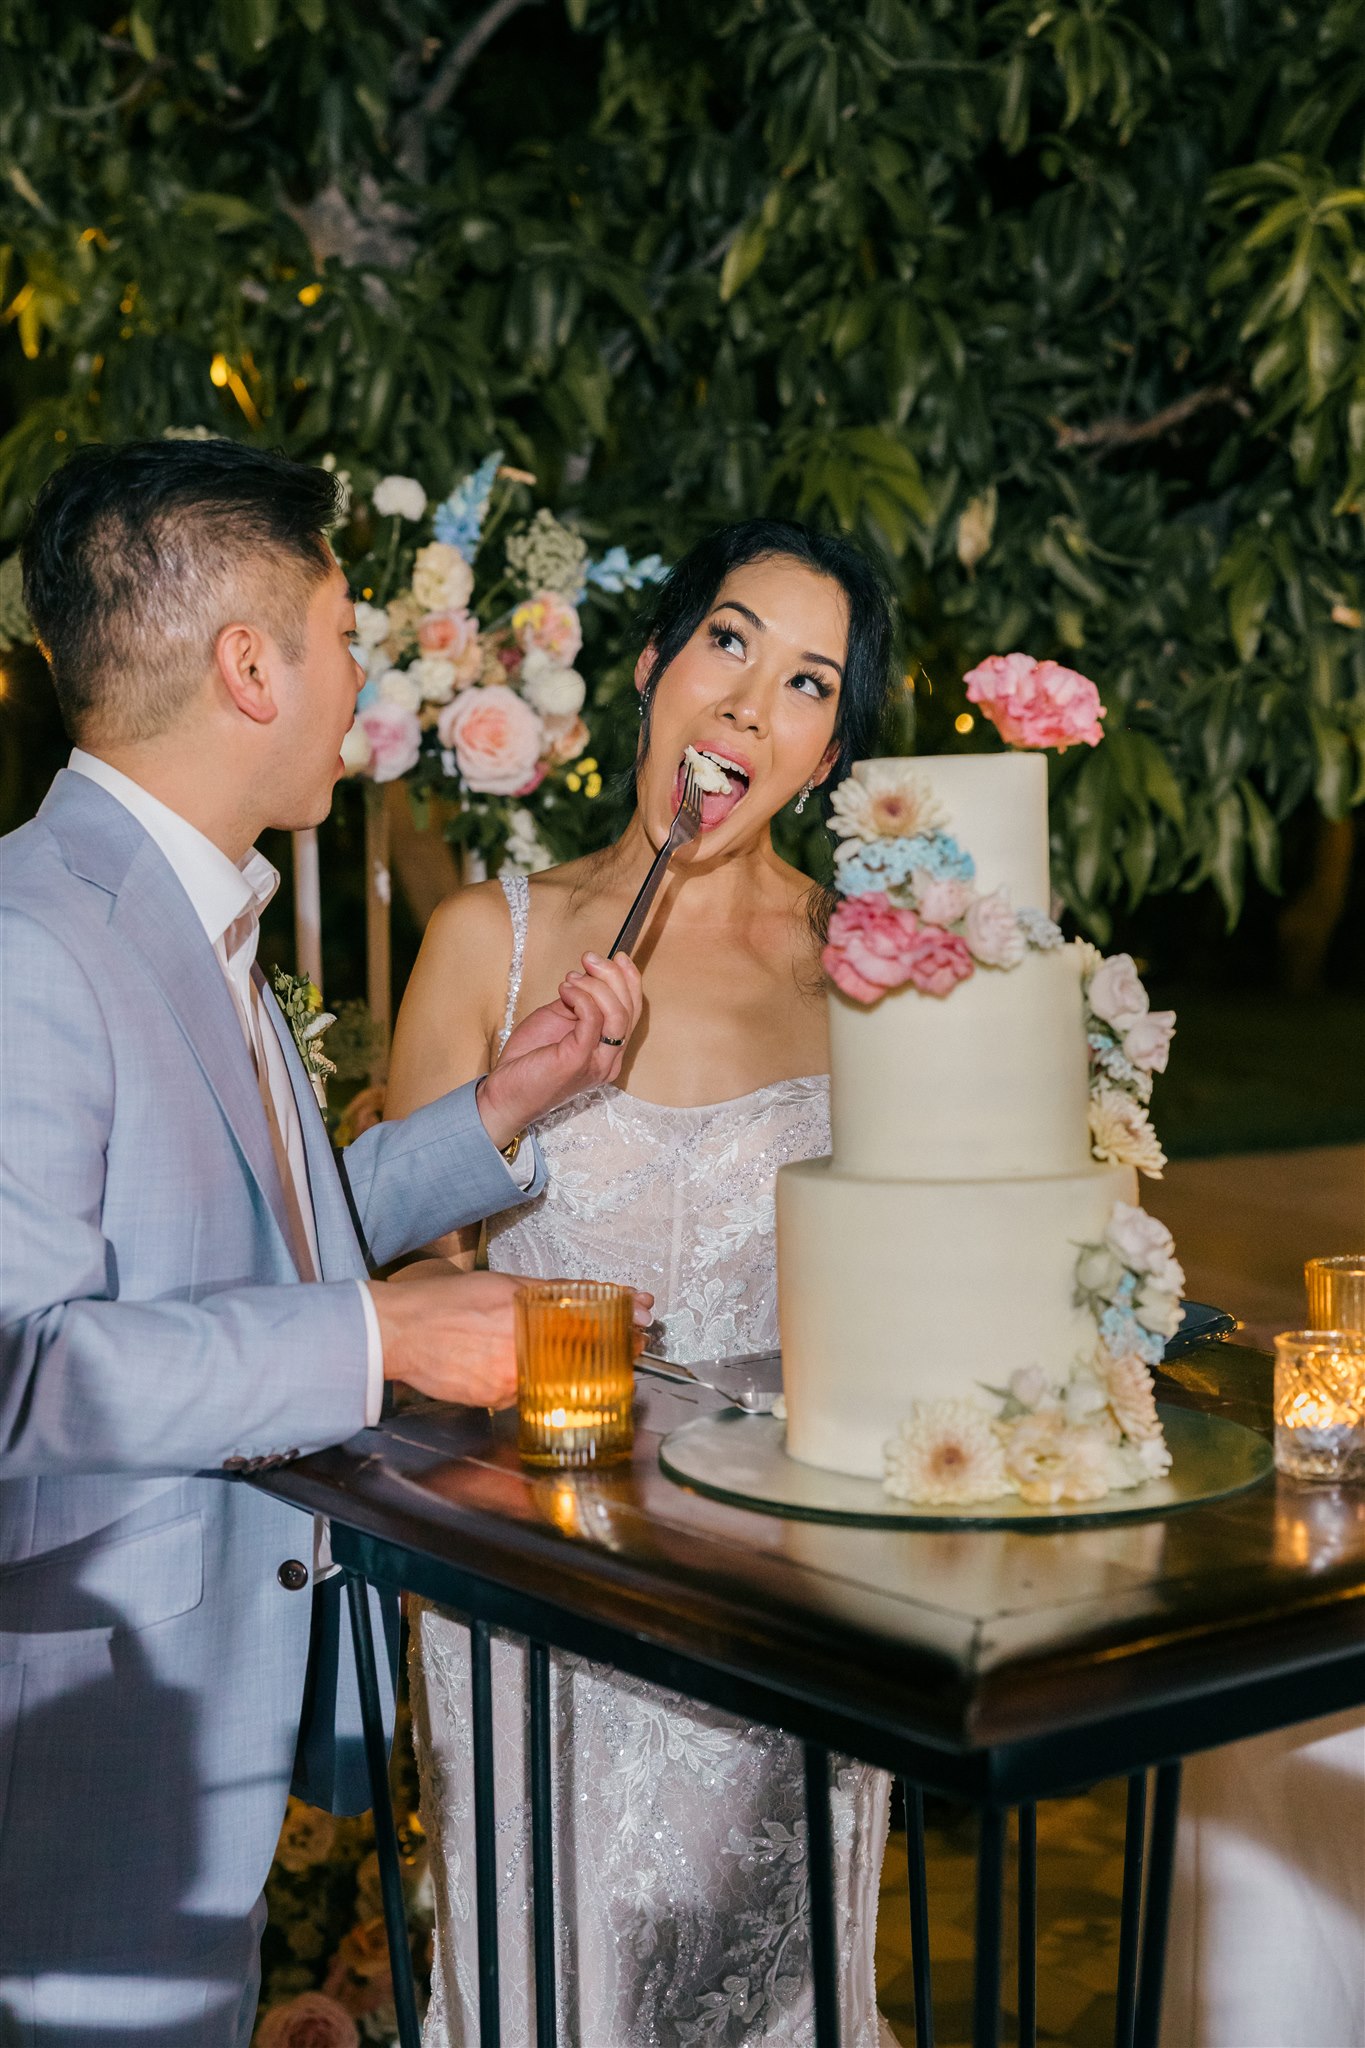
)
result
[(244, 658)]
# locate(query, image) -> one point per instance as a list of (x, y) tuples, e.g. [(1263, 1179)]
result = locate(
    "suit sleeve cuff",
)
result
[(374, 1358)]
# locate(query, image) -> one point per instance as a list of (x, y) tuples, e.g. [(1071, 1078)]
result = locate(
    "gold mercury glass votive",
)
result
[(575, 1372), (1336, 1292), (1320, 1404)]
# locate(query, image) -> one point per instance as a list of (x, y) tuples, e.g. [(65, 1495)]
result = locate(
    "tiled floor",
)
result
[(1243, 1226)]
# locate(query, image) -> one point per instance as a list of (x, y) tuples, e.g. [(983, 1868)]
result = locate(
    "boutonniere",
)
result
[(301, 1001)]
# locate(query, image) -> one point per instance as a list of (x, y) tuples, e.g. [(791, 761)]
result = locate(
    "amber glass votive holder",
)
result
[(1320, 1404), (1336, 1292), (575, 1372)]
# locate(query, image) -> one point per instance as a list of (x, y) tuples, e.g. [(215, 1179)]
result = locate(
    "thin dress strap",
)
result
[(517, 890)]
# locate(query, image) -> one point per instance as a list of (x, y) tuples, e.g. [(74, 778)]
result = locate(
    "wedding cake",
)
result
[(970, 1296)]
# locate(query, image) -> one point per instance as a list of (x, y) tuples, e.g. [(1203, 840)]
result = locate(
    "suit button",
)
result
[(292, 1575)]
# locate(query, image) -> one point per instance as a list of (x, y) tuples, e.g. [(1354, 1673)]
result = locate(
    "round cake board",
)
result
[(742, 1459)]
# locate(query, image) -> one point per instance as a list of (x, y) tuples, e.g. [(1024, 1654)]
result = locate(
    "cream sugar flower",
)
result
[(1127, 1384), (1121, 1133), (945, 1453), (884, 800), (1050, 1459)]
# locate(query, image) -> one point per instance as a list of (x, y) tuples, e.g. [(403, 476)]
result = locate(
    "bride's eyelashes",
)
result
[(721, 630)]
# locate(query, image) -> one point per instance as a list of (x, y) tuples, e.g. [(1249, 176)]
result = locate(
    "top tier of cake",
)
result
[(990, 1082)]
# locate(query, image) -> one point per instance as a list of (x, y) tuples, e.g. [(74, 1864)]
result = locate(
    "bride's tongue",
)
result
[(715, 805)]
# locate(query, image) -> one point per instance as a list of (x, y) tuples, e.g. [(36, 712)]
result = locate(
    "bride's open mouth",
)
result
[(722, 780)]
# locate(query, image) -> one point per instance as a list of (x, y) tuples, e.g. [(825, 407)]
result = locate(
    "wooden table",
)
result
[(1001, 1666)]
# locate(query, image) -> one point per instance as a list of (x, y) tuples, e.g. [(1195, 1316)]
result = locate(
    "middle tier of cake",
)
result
[(892, 1291)]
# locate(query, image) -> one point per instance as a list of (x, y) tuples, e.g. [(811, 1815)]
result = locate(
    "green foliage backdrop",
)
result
[(1059, 307)]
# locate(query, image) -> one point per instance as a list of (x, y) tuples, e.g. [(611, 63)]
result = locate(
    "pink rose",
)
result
[(992, 931), (551, 623), (1147, 1043), (869, 947), (497, 739), (1036, 703), (455, 636), (312, 2020), (942, 902), (395, 739), (1116, 993), (938, 961)]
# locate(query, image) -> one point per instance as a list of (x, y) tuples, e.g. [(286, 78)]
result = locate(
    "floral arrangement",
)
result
[(910, 912), (1129, 1042), (1096, 1432), (469, 652)]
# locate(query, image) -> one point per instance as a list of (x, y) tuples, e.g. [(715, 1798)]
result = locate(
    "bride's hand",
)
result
[(576, 1042)]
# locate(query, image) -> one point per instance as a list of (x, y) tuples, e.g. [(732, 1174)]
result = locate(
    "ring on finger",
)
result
[(604, 1040)]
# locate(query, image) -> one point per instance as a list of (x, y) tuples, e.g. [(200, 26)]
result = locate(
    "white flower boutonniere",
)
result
[(301, 1001)]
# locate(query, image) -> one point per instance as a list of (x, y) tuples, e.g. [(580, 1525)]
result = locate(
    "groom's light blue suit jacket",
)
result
[(155, 1342)]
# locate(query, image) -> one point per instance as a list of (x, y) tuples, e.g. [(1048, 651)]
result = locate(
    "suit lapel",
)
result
[(338, 1250)]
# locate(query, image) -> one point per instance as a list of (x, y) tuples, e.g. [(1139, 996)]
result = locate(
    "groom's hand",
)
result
[(450, 1335), (576, 1042)]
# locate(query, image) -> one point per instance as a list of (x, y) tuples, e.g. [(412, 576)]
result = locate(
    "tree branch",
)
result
[(1129, 433), (458, 60)]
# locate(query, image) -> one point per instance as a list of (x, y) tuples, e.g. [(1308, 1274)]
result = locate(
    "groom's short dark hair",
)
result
[(137, 555)]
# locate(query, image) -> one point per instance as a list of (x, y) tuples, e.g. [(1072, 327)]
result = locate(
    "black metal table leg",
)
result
[(990, 1882), (542, 1847), (920, 1964), (1028, 1926), (824, 1950), (485, 1841), (385, 1833), (1130, 1912), (1156, 1915)]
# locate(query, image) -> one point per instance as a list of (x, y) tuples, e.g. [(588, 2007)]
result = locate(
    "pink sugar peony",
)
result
[(312, 2020), (1036, 703), (939, 960), (497, 739), (551, 623), (869, 948), (395, 739)]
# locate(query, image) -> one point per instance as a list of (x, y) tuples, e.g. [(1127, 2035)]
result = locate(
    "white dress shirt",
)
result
[(228, 900)]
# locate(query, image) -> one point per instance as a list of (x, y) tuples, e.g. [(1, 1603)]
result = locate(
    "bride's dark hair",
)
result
[(689, 597)]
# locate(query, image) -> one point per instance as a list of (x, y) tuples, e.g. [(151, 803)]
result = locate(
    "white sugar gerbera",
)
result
[(884, 800), (1121, 1133), (945, 1453)]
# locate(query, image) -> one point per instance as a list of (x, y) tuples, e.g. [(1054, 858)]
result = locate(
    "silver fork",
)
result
[(685, 827)]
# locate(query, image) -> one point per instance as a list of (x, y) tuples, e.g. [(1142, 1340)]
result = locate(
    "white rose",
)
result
[(1030, 1386), (442, 579), (1098, 1271), (434, 677), (1084, 1398), (356, 751), (371, 624), (400, 497), (1142, 1242), (396, 686), (1148, 1042), (1158, 1310), (991, 930), (554, 691), (1116, 994)]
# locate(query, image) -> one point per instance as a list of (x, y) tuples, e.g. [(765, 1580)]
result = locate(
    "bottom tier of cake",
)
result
[(896, 1291)]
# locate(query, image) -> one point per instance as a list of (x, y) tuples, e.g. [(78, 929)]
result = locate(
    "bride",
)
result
[(678, 1830)]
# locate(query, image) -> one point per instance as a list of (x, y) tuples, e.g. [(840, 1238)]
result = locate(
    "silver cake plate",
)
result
[(743, 1459)]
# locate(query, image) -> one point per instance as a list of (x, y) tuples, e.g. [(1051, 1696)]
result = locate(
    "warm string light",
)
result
[(224, 377), (963, 722)]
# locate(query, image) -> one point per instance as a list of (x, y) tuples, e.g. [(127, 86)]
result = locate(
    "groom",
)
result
[(183, 1272)]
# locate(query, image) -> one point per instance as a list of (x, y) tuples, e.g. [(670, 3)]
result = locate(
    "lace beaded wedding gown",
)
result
[(679, 1832)]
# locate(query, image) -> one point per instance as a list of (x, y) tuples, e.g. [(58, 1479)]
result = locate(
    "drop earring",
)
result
[(801, 800)]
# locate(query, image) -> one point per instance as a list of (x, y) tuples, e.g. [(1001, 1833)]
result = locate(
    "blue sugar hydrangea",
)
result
[(1122, 1333), (459, 520), (938, 854), (1126, 1292), (1039, 930), (888, 863)]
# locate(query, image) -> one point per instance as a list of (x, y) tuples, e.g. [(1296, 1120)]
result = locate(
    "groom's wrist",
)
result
[(505, 1127)]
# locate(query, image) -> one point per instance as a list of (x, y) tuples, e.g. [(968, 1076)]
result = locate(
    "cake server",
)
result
[(686, 825), (753, 1400)]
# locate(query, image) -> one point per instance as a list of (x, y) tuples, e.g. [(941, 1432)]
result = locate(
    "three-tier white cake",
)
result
[(934, 1256)]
